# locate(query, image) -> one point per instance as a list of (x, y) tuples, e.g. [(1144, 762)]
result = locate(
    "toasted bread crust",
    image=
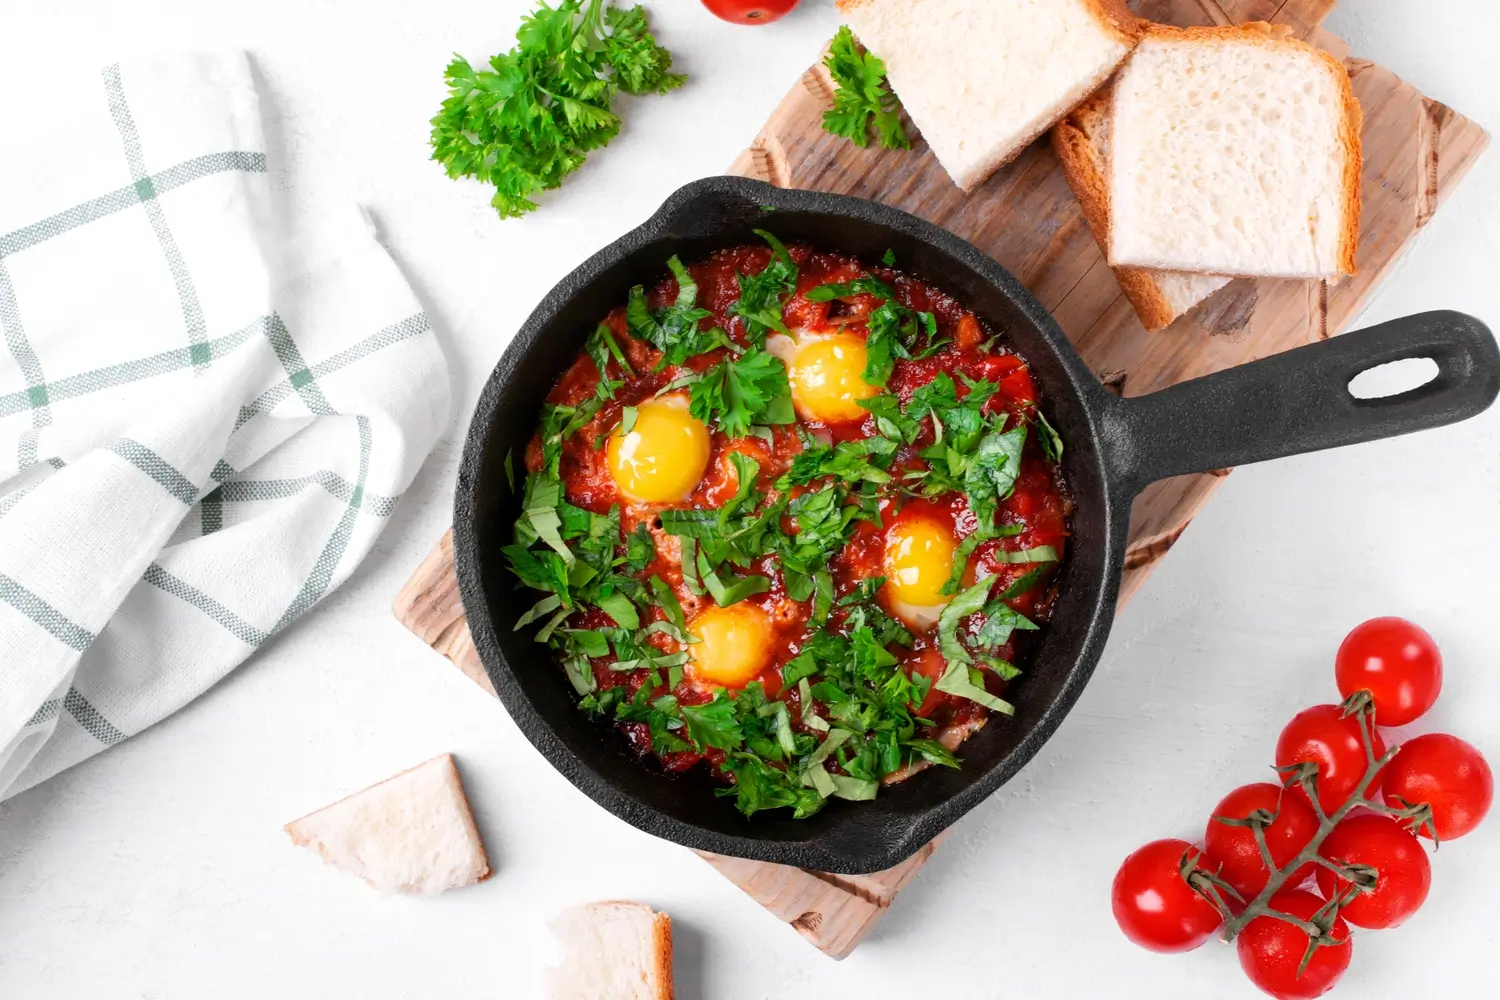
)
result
[(1086, 175), (1114, 15), (1280, 37), (1350, 139), (663, 942)]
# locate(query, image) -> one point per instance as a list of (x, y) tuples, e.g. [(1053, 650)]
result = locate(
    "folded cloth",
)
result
[(197, 443)]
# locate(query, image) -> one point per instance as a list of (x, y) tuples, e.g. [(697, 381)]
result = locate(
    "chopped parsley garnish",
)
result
[(894, 330), (847, 716), (863, 97), (677, 330), (763, 297), (744, 391), (533, 117)]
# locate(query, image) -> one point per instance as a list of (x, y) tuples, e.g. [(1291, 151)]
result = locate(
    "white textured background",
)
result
[(159, 869)]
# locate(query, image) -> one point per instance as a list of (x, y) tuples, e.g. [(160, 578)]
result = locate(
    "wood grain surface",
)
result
[(1416, 151)]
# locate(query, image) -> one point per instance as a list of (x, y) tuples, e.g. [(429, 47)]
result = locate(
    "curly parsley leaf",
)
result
[(641, 66), (758, 785), (662, 715), (862, 460), (532, 118), (741, 392), (715, 724), (862, 96)]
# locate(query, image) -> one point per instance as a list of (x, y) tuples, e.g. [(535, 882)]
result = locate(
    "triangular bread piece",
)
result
[(983, 78), (1234, 150), (1081, 142), (613, 951), (410, 833)]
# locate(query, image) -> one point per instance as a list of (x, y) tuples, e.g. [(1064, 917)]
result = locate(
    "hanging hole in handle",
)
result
[(1393, 378)]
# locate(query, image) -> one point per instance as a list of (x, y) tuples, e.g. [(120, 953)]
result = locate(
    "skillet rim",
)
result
[(1095, 617)]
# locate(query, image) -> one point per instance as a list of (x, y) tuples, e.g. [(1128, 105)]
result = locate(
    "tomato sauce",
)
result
[(1039, 504)]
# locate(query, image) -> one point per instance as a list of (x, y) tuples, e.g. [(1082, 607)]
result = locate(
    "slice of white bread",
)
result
[(1234, 150), (1081, 142), (410, 833), (612, 951), (983, 78)]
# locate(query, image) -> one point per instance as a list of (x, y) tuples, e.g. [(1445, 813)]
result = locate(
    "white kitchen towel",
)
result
[(197, 443)]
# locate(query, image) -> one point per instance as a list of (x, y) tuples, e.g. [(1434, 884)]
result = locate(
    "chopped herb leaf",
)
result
[(1049, 439), (640, 549), (715, 724), (1024, 584), (545, 606), (763, 297), (667, 601), (933, 752), (741, 391), (676, 330), (1000, 621), (1040, 554), (618, 607), (961, 607)]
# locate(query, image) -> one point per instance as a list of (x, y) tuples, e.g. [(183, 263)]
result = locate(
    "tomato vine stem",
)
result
[(1305, 776)]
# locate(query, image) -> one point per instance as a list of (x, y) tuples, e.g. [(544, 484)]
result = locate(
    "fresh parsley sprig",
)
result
[(862, 97), (533, 117)]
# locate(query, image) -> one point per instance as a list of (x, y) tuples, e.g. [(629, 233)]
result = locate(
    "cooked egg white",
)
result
[(733, 647), (662, 458), (827, 374), (919, 553)]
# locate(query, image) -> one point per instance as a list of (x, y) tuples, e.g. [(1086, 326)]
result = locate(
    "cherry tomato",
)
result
[(1403, 874), (1447, 774), (1271, 950), (1153, 903), (1232, 849), (1397, 663), (751, 11), (1323, 735)]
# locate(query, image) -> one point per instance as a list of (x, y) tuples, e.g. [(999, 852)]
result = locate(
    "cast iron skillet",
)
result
[(1286, 404)]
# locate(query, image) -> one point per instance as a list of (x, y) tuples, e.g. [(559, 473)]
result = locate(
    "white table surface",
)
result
[(159, 869)]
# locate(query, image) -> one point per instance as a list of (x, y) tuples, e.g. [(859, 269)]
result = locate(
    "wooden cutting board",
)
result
[(1416, 151)]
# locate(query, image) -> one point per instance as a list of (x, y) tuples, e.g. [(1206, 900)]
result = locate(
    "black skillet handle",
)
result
[(1299, 401)]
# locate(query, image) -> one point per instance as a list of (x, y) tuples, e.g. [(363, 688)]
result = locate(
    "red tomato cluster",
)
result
[(1370, 870)]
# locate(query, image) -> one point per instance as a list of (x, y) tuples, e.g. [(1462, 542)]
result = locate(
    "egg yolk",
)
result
[(662, 458), (828, 378), (918, 562), (733, 647)]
